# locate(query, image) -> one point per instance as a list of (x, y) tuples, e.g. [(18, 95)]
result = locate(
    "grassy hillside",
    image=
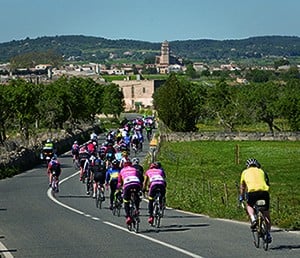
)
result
[(203, 177), (98, 49)]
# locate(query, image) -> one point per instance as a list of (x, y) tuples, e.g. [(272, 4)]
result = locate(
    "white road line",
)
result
[(4, 251), (155, 241), (49, 193)]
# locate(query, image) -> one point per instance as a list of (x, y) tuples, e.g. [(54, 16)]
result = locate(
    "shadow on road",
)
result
[(285, 247), (175, 227)]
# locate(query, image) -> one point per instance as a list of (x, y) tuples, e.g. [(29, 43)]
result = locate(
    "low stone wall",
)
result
[(24, 158), (219, 136)]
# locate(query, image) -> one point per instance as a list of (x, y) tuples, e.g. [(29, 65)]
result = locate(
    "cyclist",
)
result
[(98, 170), (111, 179), (48, 150), (83, 156), (54, 167), (75, 150), (92, 148), (124, 158), (255, 183), (139, 168), (155, 179), (129, 180)]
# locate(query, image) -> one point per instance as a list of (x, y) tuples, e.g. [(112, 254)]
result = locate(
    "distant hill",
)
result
[(97, 49)]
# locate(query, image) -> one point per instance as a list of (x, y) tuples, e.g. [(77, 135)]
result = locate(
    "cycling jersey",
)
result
[(255, 179), (112, 174), (128, 176)]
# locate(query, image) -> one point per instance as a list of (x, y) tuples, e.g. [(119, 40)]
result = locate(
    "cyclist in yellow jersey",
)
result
[(255, 184)]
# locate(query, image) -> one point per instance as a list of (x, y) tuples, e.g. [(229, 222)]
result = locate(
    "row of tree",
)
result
[(26, 105), (231, 106)]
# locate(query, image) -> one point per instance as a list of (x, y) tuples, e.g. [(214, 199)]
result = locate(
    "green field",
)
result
[(203, 176)]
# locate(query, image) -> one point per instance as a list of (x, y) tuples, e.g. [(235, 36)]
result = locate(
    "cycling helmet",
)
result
[(54, 157), (75, 142), (135, 161), (153, 165), (48, 140), (158, 164), (127, 163), (115, 163), (252, 163)]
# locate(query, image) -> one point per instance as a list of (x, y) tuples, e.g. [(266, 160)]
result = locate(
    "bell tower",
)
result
[(165, 53)]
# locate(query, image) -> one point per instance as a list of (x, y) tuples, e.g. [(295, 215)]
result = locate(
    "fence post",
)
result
[(226, 194), (237, 154)]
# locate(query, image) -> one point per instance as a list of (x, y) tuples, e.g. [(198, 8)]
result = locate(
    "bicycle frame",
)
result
[(157, 209), (99, 196), (54, 183), (261, 229), (133, 212)]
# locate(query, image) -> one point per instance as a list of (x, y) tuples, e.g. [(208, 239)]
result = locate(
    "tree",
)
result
[(175, 104), (23, 97), (263, 101), (258, 75), (113, 100), (5, 112), (224, 103), (190, 71), (290, 104)]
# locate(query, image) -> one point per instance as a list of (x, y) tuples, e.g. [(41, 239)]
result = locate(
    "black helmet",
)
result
[(158, 164), (252, 163), (135, 161), (115, 163)]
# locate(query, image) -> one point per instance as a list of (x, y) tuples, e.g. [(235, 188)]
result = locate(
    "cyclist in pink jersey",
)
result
[(155, 178), (129, 179)]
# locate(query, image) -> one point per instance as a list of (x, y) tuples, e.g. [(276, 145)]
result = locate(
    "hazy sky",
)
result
[(149, 20)]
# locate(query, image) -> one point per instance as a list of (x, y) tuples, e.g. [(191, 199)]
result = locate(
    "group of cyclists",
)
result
[(110, 165)]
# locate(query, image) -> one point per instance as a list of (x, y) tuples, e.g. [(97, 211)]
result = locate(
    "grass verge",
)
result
[(203, 177)]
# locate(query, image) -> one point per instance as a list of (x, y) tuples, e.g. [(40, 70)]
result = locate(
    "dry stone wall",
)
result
[(219, 136), (18, 158)]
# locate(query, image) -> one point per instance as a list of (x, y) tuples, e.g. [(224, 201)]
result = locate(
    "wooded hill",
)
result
[(97, 49)]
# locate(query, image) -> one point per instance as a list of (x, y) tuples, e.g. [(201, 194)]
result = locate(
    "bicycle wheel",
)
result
[(256, 238), (264, 234), (135, 221), (256, 233), (98, 200), (54, 185), (157, 215)]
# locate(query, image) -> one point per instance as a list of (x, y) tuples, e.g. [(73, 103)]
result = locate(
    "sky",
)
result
[(149, 20)]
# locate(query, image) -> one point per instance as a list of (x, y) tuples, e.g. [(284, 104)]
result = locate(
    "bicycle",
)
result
[(117, 205), (133, 212), (54, 182), (99, 196), (158, 209), (261, 230), (76, 164)]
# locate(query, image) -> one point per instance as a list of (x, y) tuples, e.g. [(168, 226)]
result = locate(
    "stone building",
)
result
[(138, 93)]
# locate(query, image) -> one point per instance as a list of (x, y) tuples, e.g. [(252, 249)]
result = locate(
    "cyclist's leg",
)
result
[(266, 197), (251, 200), (137, 197), (113, 187), (95, 185), (151, 195), (126, 199)]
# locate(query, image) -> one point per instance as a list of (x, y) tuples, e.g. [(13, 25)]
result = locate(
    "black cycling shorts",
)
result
[(99, 177), (259, 195)]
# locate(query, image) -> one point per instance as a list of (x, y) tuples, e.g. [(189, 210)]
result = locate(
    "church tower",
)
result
[(165, 53)]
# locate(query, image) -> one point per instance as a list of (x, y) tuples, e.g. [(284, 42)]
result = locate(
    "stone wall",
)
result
[(219, 136), (23, 158)]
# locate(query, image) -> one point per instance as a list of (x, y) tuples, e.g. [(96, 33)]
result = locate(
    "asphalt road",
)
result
[(33, 223)]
